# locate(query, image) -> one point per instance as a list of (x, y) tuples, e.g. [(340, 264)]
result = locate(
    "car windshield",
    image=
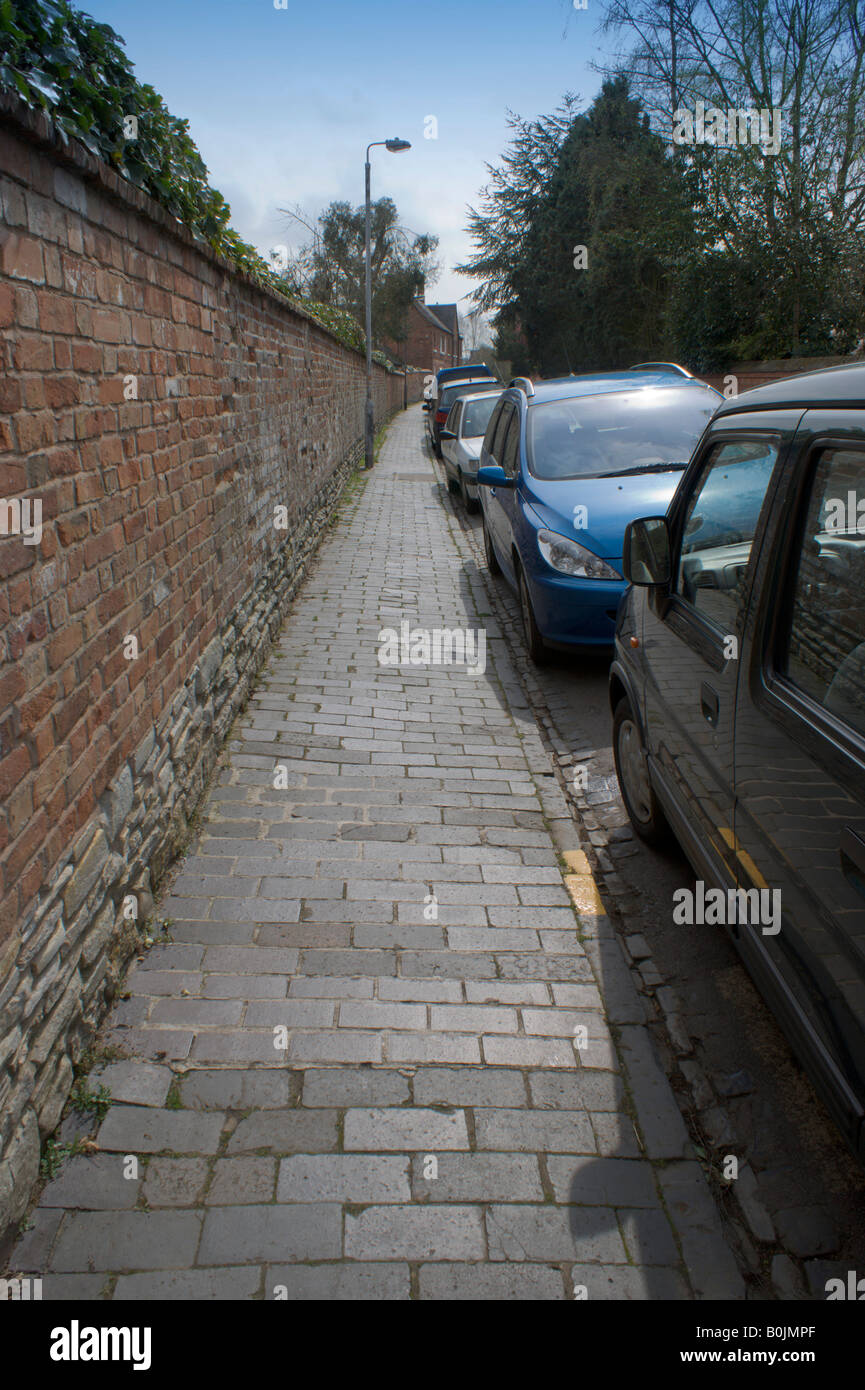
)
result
[(476, 416), (649, 430)]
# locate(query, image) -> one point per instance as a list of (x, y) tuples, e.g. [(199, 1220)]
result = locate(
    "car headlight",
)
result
[(567, 557)]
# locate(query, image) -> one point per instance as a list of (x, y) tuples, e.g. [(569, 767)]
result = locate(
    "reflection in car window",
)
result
[(451, 393), (511, 450), (477, 415), (826, 644), (720, 522), (497, 446), (490, 432), (617, 432)]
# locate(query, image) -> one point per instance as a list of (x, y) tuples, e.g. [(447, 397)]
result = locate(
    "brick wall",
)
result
[(751, 374), (161, 408)]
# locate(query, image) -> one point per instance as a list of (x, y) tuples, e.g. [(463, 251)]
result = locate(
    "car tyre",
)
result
[(470, 503), (537, 647), (629, 751), (492, 563)]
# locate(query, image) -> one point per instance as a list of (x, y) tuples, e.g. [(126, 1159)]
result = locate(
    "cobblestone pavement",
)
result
[(392, 1048)]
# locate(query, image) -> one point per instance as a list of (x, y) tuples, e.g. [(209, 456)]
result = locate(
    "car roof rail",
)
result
[(660, 366), (523, 384)]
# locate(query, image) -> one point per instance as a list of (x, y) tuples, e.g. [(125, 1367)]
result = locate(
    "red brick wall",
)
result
[(157, 512), (751, 374), (160, 407)]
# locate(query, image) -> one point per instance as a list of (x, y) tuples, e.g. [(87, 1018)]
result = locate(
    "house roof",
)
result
[(447, 314), (426, 312)]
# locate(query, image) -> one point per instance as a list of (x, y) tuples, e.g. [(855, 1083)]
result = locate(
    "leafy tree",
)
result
[(60, 61), (401, 263), (609, 186), (510, 200), (63, 62), (511, 348), (779, 233)]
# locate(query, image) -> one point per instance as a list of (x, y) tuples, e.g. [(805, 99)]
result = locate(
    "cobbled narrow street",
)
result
[(387, 1045)]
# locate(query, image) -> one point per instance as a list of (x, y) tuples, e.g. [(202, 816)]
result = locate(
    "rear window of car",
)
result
[(443, 380), (618, 432), (463, 388)]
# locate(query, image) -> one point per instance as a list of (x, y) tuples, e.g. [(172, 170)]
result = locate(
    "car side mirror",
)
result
[(446, 434), (646, 552), (493, 476)]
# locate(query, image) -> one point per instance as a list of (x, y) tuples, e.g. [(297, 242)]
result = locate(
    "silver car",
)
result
[(461, 437)]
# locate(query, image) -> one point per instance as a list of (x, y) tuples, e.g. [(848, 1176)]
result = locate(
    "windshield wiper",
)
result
[(607, 473), (648, 468)]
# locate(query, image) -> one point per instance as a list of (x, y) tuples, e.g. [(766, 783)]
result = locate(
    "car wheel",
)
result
[(492, 563), (453, 484), (470, 503), (632, 770), (537, 648)]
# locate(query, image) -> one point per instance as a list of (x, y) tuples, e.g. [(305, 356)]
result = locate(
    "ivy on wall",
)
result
[(76, 70)]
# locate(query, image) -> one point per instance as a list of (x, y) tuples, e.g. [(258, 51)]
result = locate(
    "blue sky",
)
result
[(282, 103)]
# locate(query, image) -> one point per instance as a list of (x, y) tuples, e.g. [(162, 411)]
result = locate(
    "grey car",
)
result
[(439, 409), (461, 438), (738, 698)]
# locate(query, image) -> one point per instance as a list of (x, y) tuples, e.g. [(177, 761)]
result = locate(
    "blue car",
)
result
[(564, 466)]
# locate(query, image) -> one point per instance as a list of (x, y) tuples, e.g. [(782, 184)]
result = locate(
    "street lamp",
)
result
[(395, 146)]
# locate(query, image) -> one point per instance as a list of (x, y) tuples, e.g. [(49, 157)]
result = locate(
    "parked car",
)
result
[(738, 699), (565, 465), (474, 371), (461, 438), (440, 409)]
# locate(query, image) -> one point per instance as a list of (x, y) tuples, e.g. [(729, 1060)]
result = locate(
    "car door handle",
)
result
[(709, 703), (853, 858)]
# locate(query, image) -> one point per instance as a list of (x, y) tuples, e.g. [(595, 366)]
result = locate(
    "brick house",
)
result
[(433, 338)]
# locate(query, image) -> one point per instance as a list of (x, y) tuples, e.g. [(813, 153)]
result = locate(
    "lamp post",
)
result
[(395, 146)]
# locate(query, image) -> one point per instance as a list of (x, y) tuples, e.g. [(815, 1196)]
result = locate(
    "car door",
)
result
[(800, 759), (431, 397), (496, 517), (691, 637), (510, 501), (449, 446)]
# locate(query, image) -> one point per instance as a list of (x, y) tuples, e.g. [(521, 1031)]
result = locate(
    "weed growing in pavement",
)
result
[(172, 1100), (54, 1155), (85, 1101)]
